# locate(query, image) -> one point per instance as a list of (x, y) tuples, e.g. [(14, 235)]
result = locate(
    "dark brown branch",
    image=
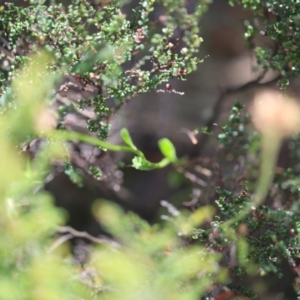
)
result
[(217, 109)]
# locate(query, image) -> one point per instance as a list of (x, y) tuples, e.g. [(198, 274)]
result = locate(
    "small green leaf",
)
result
[(142, 164), (167, 149), (127, 138), (74, 176)]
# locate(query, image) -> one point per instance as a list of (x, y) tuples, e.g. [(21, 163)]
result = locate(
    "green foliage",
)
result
[(277, 21), (258, 236), (244, 231), (31, 252), (28, 216), (165, 269), (141, 163), (99, 46), (153, 262), (234, 131)]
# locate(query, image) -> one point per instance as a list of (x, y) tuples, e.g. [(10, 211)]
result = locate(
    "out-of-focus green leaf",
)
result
[(167, 149), (127, 138)]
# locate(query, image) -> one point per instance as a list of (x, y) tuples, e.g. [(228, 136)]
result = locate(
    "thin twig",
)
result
[(217, 109), (72, 233), (60, 241)]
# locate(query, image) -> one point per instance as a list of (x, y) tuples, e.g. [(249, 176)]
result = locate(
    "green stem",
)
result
[(66, 135), (270, 150), (269, 154)]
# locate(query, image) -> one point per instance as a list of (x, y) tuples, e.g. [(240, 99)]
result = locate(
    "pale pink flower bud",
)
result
[(274, 113)]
